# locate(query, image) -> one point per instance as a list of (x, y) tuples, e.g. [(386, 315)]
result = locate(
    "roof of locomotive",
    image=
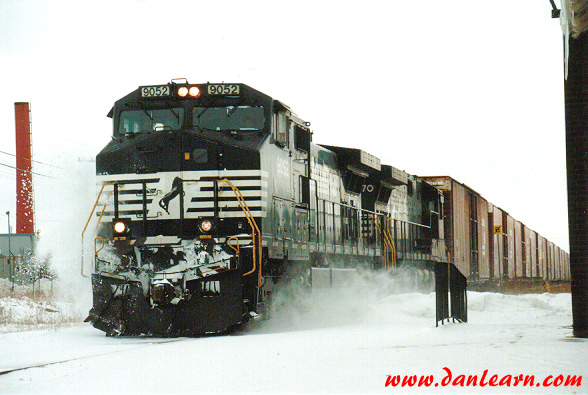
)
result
[(218, 93)]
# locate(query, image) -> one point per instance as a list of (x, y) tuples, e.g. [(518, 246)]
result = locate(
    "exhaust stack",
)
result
[(25, 221)]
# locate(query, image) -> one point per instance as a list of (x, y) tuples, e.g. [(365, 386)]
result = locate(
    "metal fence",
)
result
[(450, 291)]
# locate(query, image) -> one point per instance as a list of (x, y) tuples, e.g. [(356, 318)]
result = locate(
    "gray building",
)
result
[(20, 243), (18, 267)]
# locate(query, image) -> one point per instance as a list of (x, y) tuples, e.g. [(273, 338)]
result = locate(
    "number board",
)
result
[(156, 91), (223, 89)]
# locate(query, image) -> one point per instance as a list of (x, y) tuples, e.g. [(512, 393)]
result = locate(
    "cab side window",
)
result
[(282, 126)]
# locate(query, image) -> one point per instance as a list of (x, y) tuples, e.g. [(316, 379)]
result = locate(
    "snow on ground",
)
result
[(340, 340), (23, 307), (24, 313)]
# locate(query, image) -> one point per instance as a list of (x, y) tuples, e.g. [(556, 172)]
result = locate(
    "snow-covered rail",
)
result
[(59, 355)]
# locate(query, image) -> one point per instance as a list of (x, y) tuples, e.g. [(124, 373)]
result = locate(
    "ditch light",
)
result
[(121, 229)]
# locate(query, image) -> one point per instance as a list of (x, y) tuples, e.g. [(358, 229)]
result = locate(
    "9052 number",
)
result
[(155, 91), (223, 89)]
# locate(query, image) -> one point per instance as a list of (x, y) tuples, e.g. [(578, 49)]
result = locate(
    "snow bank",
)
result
[(380, 298), (22, 309), (366, 297), (531, 305), (23, 313)]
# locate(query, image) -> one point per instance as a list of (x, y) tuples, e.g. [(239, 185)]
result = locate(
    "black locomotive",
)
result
[(215, 194)]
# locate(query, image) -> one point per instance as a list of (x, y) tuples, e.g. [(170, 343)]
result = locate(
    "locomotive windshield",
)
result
[(241, 118), (140, 121)]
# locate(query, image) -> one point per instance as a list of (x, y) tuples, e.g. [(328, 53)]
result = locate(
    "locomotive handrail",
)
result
[(231, 246), (375, 213), (416, 224), (377, 223), (96, 251), (254, 230), (392, 242), (88, 221), (104, 208), (387, 242)]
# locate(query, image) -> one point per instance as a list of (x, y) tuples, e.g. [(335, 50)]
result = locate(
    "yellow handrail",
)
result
[(231, 246), (388, 237), (387, 242), (104, 208), (391, 243), (377, 223), (96, 251), (88, 221), (254, 231), (386, 260)]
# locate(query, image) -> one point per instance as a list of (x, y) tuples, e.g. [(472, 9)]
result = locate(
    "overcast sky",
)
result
[(469, 89)]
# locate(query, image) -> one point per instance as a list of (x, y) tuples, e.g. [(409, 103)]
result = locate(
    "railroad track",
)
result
[(41, 365)]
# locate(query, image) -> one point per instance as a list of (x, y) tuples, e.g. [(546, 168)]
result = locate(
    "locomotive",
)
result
[(214, 195)]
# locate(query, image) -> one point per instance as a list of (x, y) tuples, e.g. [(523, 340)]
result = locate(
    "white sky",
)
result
[(469, 89)]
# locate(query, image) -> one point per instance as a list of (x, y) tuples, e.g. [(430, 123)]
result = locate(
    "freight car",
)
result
[(492, 249), (213, 195)]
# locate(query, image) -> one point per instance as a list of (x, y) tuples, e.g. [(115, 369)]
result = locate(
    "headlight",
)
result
[(194, 91), (183, 91), (206, 226), (120, 227)]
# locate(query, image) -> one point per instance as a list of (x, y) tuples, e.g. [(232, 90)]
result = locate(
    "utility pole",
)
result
[(574, 25), (10, 257), (9, 246)]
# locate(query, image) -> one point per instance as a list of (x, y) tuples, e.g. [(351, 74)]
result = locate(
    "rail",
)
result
[(255, 232), (88, 222)]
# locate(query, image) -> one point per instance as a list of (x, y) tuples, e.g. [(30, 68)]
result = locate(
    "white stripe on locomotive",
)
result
[(130, 194)]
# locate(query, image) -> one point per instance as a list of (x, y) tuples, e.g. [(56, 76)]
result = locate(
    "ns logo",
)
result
[(282, 167)]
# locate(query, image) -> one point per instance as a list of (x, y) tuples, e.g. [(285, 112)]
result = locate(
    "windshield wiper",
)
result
[(232, 110), (212, 104), (202, 113), (173, 112), (145, 111)]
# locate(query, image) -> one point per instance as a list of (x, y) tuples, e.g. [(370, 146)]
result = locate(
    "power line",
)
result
[(26, 171), (32, 160)]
